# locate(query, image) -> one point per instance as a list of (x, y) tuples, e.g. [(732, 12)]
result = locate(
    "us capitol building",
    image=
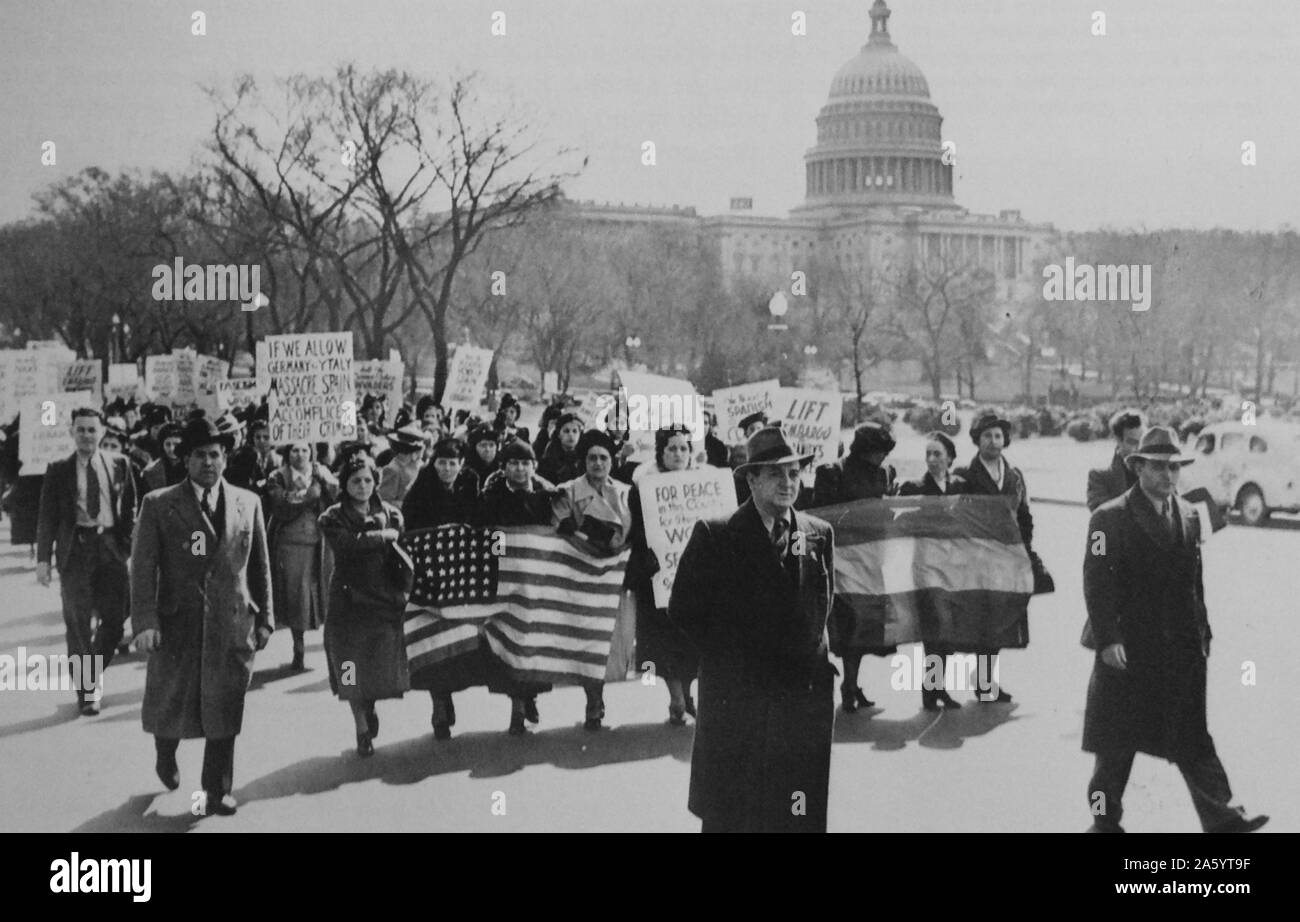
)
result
[(877, 190)]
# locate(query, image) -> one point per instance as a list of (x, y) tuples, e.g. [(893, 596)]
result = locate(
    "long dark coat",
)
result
[(853, 632), (980, 483), (206, 605), (363, 622), (658, 640), (1146, 592), (766, 706), (1106, 483)]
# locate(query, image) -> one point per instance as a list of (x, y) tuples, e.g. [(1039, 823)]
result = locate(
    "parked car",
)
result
[(1254, 469)]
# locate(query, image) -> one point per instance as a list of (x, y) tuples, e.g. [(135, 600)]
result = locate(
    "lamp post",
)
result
[(115, 340), (777, 307), (631, 343)]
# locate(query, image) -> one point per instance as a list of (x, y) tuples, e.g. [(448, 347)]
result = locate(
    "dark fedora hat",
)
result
[(1159, 443), (768, 446), (987, 420), (201, 432)]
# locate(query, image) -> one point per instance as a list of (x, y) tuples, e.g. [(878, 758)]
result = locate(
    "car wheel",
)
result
[(1251, 503)]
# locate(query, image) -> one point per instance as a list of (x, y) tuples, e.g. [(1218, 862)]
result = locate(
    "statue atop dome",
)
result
[(880, 23)]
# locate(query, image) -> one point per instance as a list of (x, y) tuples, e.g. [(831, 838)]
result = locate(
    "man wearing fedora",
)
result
[(753, 592), (990, 474), (201, 606), (1148, 625)]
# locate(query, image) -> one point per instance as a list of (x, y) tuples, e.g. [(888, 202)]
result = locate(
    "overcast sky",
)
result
[(1140, 128)]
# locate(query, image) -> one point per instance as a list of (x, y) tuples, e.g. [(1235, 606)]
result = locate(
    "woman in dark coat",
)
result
[(940, 453), (861, 474), (364, 640), (23, 494), (659, 642), (506, 422), (481, 450), (445, 492), (296, 495), (560, 462)]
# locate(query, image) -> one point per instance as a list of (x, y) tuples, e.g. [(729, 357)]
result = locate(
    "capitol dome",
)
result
[(878, 136)]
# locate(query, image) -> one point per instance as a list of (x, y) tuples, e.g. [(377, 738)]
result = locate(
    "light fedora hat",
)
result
[(768, 446), (1160, 443)]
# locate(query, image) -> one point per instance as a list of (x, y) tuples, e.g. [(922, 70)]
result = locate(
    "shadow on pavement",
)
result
[(482, 755), (931, 729), (65, 714), (131, 816)]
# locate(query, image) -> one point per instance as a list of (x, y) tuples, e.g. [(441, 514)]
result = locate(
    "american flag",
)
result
[(545, 604)]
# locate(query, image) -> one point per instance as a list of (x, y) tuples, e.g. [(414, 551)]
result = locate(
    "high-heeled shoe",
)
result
[(298, 665), (863, 700), (372, 721), (441, 731), (677, 715), (949, 704), (530, 710), (364, 746), (690, 706), (929, 700), (517, 727), (848, 700)]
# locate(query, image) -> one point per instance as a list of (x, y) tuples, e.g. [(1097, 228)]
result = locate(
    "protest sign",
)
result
[(187, 363), (312, 391), (45, 431), (732, 404), (383, 379), (123, 382), (550, 382), (237, 394), (466, 378), (811, 421), (644, 403), (8, 383), (160, 378), (671, 504), (83, 375)]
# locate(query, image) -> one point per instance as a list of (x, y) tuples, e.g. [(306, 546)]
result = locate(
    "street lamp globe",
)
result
[(778, 305)]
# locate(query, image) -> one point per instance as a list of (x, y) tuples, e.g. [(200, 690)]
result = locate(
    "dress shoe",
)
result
[(929, 700), (89, 708), (441, 731), (677, 715), (690, 706), (365, 747), (1099, 828), (1241, 823), (168, 772), (1002, 697), (591, 724), (530, 710), (517, 727), (949, 704), (298, 665), (220, 806), (372, 721)]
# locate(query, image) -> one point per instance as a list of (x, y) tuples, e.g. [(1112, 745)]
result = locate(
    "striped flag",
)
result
[(949, 570), (544, 603)]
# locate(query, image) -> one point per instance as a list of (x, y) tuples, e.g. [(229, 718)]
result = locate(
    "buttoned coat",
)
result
[(980, 483), (762, 753), (207, 597), (1144, 590), (58, 509)]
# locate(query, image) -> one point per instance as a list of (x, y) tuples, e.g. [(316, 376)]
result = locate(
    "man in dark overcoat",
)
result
[(1147, 623), (753, 592), (201, 606), (1106, 483)]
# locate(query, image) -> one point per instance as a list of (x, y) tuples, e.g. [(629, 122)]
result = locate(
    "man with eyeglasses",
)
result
[(1106, 483), (1147, 623)]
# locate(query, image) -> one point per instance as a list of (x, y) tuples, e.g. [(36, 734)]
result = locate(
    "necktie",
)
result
[(1170, 525), (92, 491), (207, 505), (780, 536)]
